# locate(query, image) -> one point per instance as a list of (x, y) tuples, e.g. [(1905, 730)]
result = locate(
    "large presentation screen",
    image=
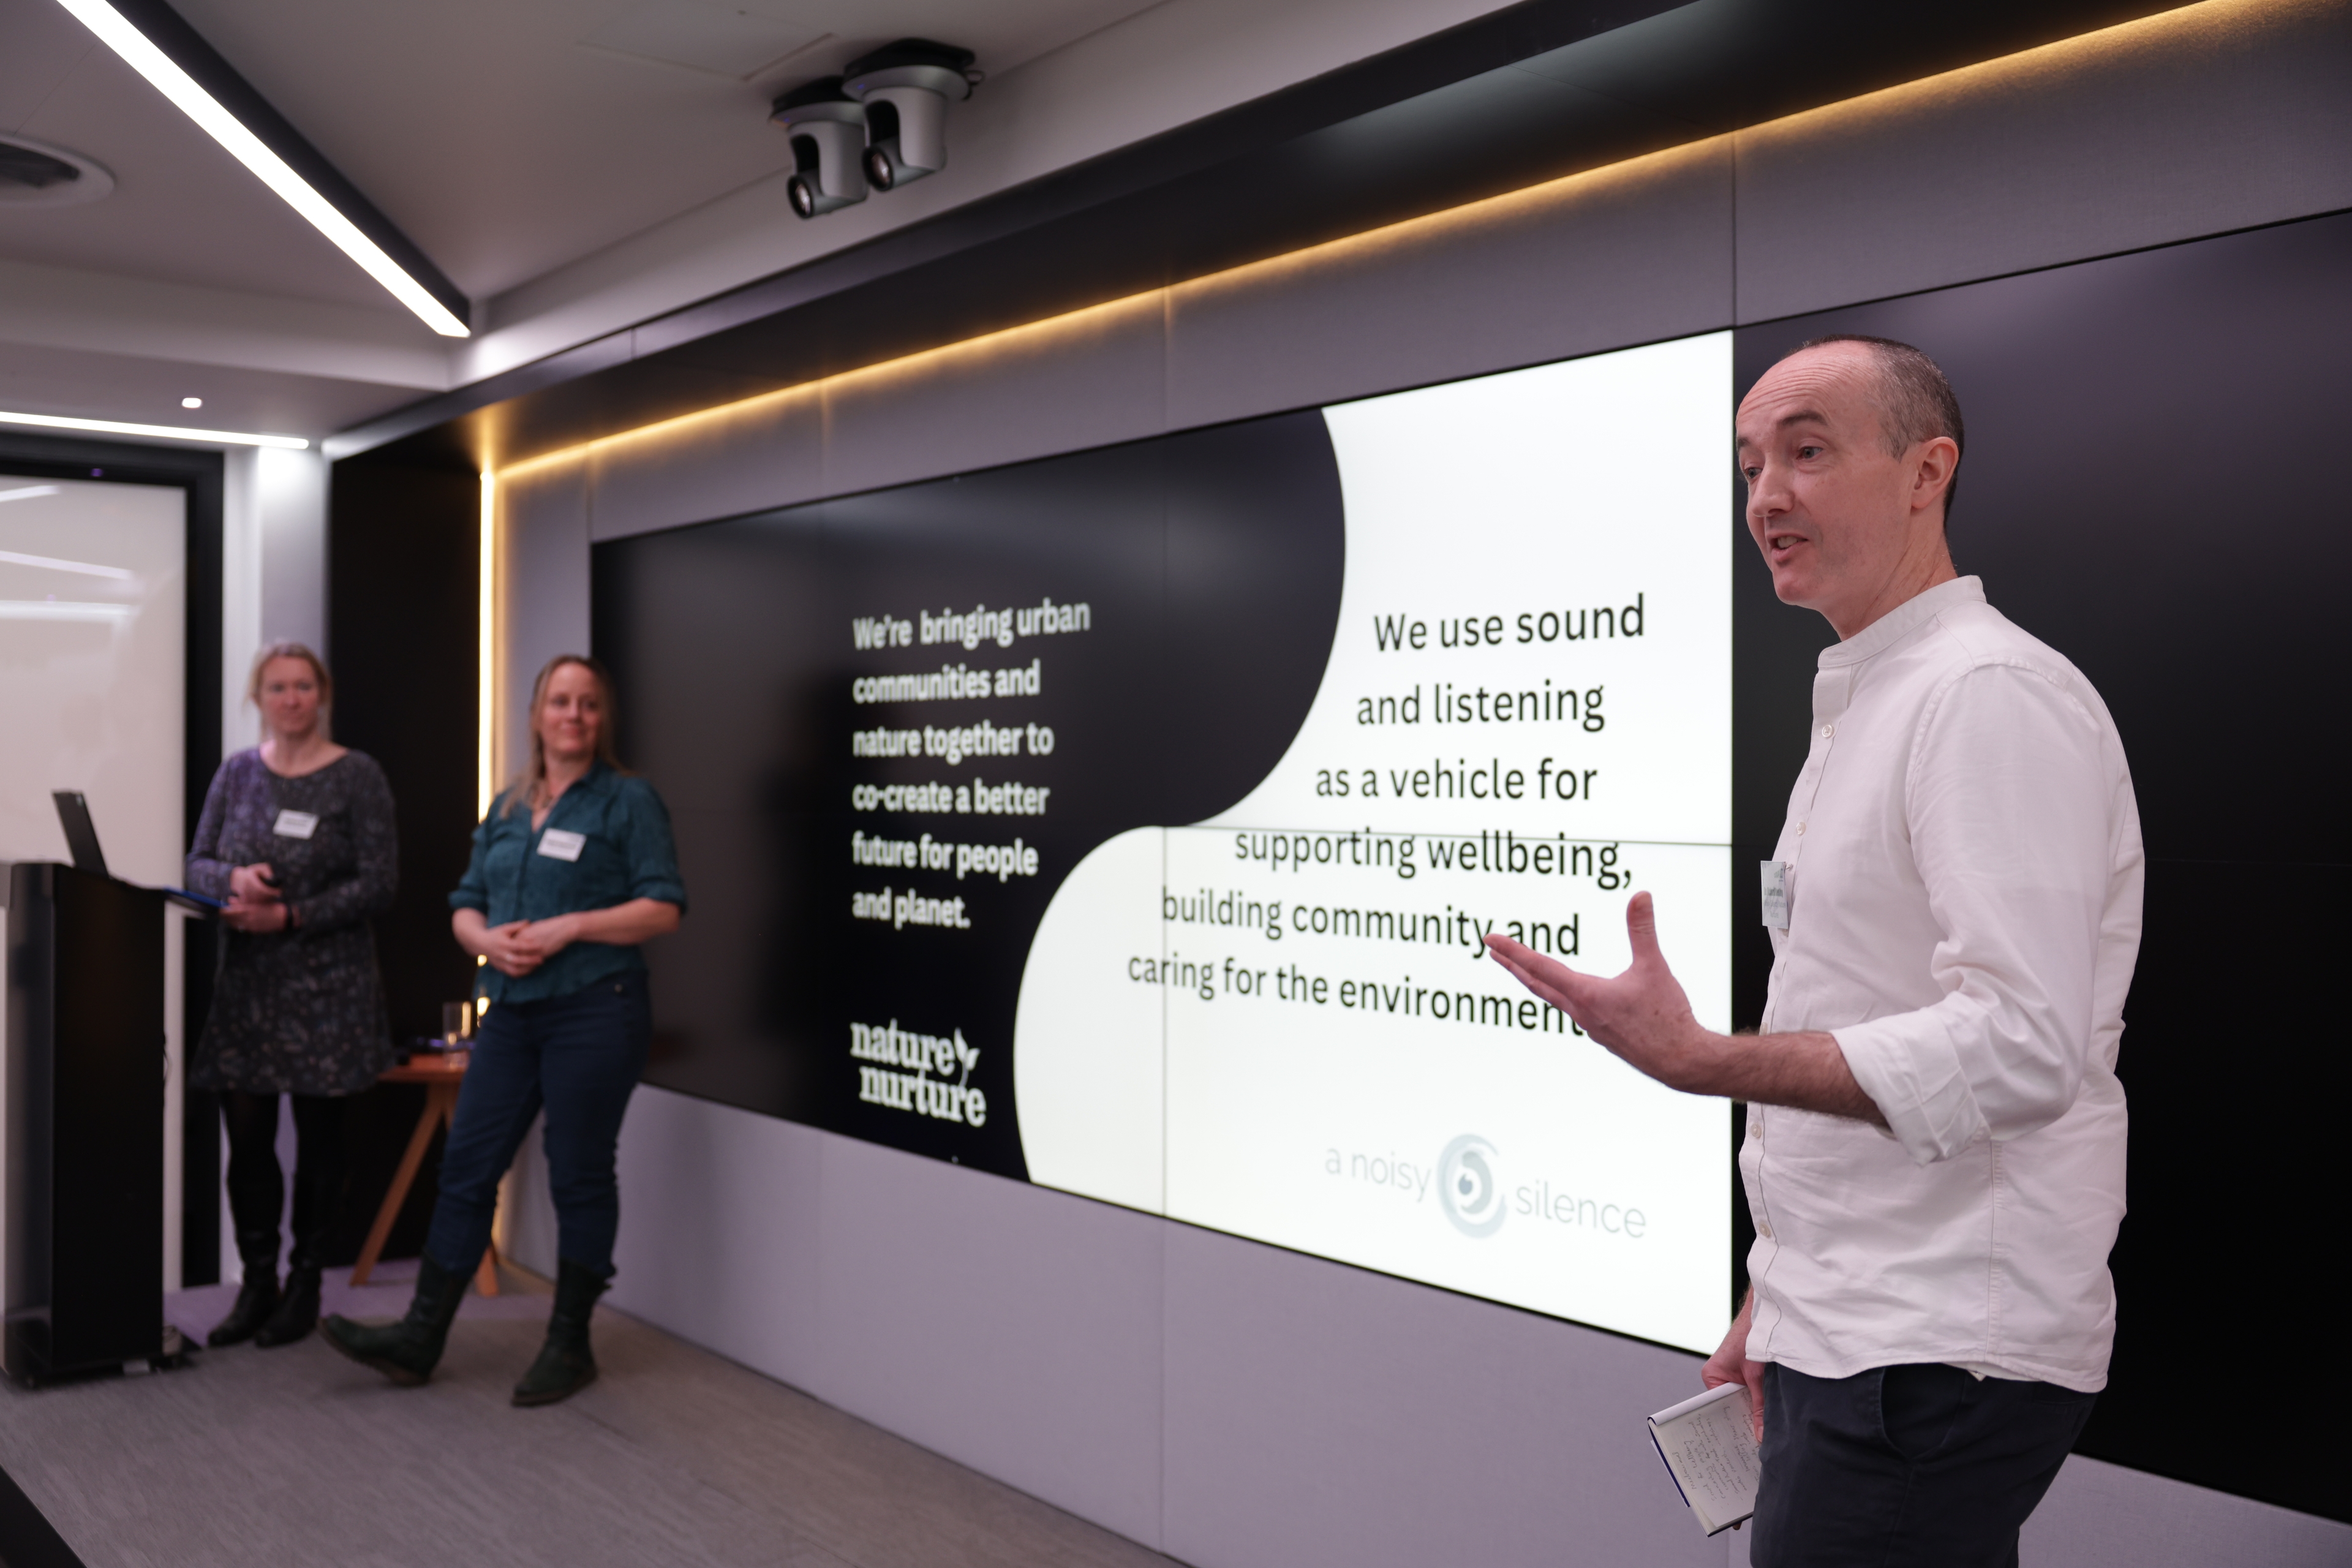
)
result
[(1129, 822)]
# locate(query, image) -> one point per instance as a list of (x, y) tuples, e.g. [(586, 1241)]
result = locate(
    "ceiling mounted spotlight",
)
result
[(906, 88), (36, 174), (828, 132), (192, 402)]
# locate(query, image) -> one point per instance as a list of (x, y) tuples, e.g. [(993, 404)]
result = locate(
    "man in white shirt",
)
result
[(1935, 1150)]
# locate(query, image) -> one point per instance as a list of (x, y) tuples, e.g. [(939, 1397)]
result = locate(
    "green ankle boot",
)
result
[(405, 1351), (565, 1364)]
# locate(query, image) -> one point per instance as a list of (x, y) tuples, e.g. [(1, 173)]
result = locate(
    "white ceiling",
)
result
[(505, 148), (566, 182)]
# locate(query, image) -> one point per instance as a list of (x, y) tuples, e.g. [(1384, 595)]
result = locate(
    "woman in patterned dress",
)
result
[(297, 834)]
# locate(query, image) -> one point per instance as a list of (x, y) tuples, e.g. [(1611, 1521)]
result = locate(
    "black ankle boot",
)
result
[(406, 1352), (565, 1364), (297, 1310), (258, 1297)]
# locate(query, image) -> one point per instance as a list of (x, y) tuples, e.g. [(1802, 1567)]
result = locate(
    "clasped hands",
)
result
[(518, 947), (255, 903)]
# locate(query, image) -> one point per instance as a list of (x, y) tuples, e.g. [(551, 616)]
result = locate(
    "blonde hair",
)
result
[(528, 783), (286, 647)]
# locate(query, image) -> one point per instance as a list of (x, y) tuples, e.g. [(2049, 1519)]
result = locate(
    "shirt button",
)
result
[(1827, 730), (1765, 1231), (1801, 828)]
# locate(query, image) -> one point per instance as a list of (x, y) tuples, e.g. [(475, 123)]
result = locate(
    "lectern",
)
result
[(86, 1062)]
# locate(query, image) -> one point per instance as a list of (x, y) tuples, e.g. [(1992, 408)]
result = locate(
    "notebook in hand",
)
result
[(1710, 1445)]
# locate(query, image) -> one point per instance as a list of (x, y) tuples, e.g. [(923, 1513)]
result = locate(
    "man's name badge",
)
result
[(1775, 893), (561, 844), (296, 824)]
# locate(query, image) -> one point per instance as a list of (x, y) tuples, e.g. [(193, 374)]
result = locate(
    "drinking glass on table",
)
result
[(457, 1029)]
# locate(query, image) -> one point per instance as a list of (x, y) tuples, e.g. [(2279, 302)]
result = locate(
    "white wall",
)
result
[(1234, 1403), (273, 586)]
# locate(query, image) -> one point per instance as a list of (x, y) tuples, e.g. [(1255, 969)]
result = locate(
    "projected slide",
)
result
[(1526, 714), (1129, 821)]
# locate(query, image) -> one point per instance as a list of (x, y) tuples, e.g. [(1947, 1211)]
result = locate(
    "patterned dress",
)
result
[(301, 1010)]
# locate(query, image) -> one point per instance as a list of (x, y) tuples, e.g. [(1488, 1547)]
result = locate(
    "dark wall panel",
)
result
[(403, 616), (403, 607)]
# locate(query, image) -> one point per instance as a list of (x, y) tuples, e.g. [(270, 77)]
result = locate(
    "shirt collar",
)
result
[(594, 782), (1902, 621)]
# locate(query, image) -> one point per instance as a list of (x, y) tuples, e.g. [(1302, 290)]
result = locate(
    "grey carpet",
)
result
[(295, 1455)]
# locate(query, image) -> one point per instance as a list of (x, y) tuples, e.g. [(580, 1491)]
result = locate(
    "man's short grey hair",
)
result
[(1913, 399)]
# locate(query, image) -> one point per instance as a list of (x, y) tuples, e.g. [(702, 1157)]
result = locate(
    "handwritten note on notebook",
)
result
[(1710, 1445)]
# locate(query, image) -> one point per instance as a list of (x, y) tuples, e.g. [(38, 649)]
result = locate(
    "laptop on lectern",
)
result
[(81, 838)]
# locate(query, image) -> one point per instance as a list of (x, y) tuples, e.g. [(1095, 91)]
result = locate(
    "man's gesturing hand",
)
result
[(1641, 1015)]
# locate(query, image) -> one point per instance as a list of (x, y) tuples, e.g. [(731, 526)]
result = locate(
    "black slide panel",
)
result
[(1194, 582), (2148, 489)]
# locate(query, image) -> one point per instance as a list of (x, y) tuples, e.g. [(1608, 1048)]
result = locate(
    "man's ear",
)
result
[(1936, 460)]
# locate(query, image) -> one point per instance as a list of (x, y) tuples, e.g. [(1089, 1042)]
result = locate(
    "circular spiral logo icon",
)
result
[(1467, 1187)]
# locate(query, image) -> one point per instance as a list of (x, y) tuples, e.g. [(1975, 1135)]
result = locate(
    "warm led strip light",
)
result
[(485, 779), (248, 149), (170, 432)]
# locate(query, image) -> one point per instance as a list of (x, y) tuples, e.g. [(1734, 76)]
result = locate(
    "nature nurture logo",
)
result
[(1467, 1186)]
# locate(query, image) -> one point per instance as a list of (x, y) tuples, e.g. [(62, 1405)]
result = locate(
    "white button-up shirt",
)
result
[(1963, 912)]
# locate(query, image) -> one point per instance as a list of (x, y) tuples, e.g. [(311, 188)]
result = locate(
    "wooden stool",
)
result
[(440, 1076)]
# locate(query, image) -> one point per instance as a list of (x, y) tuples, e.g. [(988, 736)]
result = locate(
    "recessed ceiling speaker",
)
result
[(828, 132), (36, 174), (906, 88)]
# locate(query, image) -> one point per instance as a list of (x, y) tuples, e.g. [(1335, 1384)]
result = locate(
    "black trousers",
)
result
[(1905, 1467), (257, 1189)]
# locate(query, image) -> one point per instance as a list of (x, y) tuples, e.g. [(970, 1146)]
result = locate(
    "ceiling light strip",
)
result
[(225, 128), (168, 431)]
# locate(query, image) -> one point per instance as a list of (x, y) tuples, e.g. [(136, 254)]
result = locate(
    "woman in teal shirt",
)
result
[(572, 868)]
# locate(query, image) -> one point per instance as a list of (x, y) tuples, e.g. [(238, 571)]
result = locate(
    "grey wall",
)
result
[(1229, 1403)]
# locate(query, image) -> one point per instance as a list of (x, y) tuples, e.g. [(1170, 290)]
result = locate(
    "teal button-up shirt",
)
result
[(628, 854)]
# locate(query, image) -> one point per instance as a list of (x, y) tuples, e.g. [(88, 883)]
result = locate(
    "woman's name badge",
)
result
[(296, 824), (1775, 893), (560, 844)]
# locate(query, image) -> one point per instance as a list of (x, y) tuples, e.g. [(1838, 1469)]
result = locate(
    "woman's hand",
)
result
[(498, 945), (549, 937), (247, 886), (518, 947), (509, 950), (242, 915)]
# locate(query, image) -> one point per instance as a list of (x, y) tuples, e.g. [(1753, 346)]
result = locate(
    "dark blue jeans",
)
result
[(579, 1056), (1905, 1467)]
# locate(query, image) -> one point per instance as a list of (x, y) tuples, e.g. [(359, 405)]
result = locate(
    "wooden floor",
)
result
[(676, 1457)]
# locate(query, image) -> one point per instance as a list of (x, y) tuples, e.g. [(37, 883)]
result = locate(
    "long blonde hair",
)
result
[(528, 783), (286, 647)]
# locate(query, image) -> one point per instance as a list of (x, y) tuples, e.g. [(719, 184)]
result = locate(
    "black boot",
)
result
[(256, 1299), (565, 1364), (297, 1308), (405, 1351)]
